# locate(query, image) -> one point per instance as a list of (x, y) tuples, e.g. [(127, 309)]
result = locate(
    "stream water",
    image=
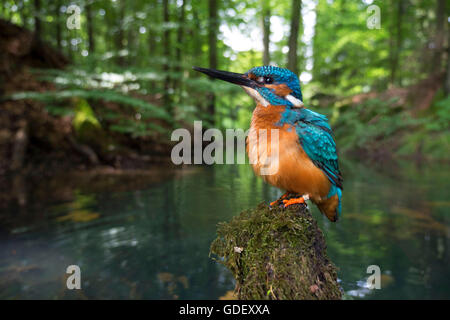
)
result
[(147, 235)]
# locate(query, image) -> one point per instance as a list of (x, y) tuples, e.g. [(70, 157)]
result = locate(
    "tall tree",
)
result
[(180, 46), (151, 30), (396, 40), (120, 33), (195, 34), (293, 36), (266, 31), (58, 24), (439, 38), (447, 81), (166, 51), (212, 42), (37, 19), (90, 27)]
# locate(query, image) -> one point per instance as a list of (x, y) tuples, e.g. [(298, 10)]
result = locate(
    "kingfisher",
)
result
[(306, 165)]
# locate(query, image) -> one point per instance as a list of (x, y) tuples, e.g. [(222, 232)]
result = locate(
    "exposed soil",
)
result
[(34, 141)]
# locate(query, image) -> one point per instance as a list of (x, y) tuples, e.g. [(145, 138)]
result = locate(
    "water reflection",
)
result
[(147, 236)]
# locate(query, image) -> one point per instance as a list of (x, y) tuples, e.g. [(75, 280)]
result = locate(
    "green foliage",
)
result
[(111, 96), (377, 125), (130, 63), (84, 115), (350, 58), (75, 88), (440, 118)]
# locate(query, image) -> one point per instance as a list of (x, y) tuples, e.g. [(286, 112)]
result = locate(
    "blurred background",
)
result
[(90, 92)]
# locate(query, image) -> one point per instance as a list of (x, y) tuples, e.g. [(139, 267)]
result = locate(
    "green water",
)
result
[(147, 236)]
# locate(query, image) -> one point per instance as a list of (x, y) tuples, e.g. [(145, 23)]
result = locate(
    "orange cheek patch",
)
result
[(279, 89), (252, 76)]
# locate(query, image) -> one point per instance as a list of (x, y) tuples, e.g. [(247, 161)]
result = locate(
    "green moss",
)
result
[(283, 255)]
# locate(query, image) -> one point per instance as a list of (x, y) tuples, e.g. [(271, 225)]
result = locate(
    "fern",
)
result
[(106, 95)]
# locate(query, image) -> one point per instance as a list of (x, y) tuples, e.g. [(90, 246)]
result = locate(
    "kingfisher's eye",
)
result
[(265, 80), (268, 80)]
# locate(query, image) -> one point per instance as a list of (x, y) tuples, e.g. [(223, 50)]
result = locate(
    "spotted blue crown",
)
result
[(280, 76)]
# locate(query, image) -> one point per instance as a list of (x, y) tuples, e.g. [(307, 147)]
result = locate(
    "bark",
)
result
[(58, 24), (131, 42), (276, 254), (90, 28), (151, 31), (84, 150), (166, 51), (37, 19), (197, 41), (120, 33), (396, 42), (19, 146), (439, 38), (180, 33), (266, 32), (212, 42), (293, 36), (447, 81), (180, 44)]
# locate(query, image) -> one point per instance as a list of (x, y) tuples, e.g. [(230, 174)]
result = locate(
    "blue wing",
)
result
[(317, 140)]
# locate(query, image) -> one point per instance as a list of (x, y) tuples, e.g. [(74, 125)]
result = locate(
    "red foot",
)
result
[(292, 201), (276, 201)]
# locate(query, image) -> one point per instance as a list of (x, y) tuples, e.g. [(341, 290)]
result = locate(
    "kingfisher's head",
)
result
[(268, 85)]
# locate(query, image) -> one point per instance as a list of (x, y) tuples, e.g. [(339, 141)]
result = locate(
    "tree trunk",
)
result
[(447, 81), (120, 33), (90, 27), (180, 32), (396, 45), (276, 254), (166, 51), (180, 46), (266, 31), (20, 144), (293, 36), (212, 42), (131, 41), (37, 19), (58, 24), (151, 31), (439, 38), (197, 41)]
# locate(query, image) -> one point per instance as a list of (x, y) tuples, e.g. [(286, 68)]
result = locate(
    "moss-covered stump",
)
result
[(276, 254)]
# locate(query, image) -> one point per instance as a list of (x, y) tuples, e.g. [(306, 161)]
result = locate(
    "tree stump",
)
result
[(276, 254)]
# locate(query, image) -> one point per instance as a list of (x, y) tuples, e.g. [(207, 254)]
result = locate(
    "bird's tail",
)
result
[(331, 207)]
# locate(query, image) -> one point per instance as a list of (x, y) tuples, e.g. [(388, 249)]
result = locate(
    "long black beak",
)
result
[(236, 78)]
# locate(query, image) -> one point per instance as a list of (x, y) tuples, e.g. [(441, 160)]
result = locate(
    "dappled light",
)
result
[(121, 151)]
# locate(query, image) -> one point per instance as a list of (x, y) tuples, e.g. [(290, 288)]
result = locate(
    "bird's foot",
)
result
[(279, 200), (298, 200), (289, 199)]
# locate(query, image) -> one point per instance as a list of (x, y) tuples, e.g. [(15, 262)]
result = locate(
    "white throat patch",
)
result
[(255, 95), (296, 102)]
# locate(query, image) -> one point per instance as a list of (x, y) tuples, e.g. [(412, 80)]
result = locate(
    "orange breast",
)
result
[(283, 164)]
